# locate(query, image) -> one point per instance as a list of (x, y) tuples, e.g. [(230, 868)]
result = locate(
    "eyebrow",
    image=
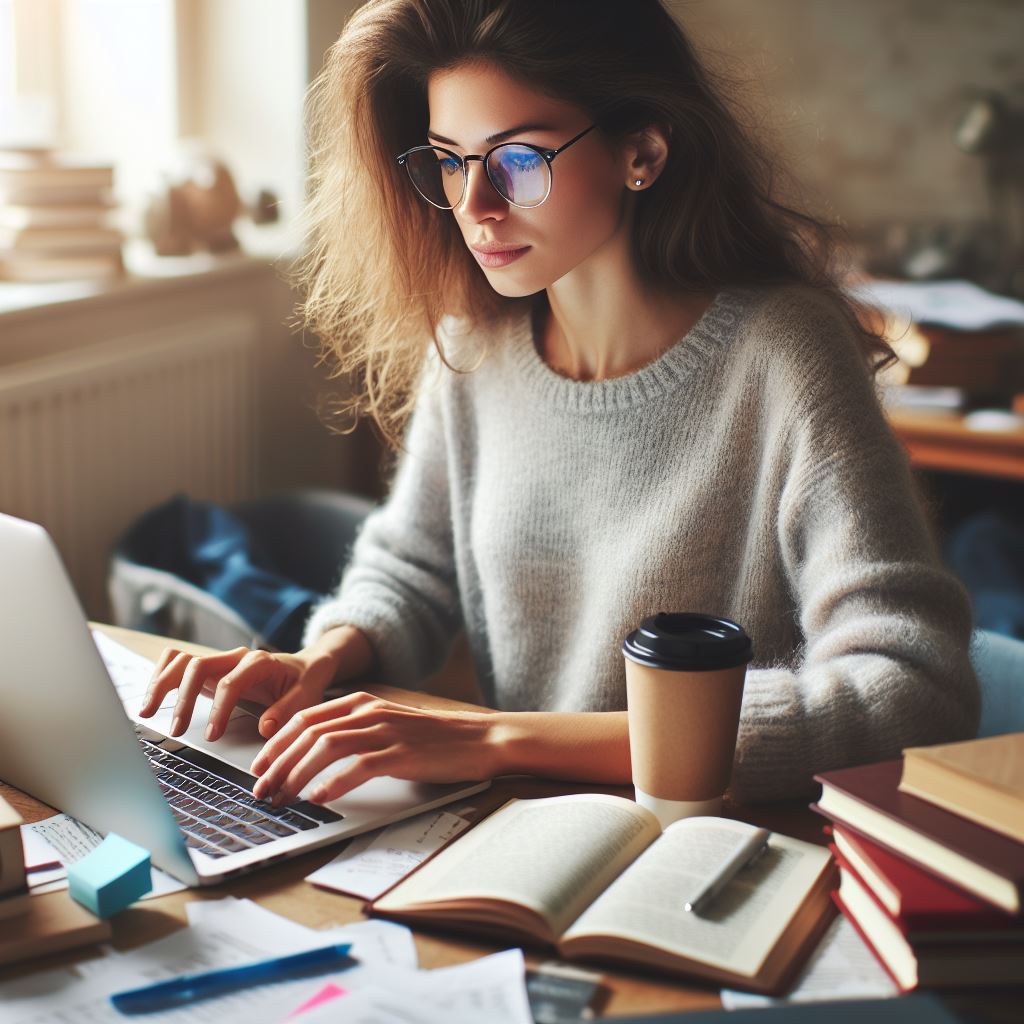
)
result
[(500, 136)]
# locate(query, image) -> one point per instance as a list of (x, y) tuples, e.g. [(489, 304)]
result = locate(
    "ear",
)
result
[(644, 156)]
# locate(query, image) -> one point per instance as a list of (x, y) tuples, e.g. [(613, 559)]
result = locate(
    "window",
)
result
[(126, 81)]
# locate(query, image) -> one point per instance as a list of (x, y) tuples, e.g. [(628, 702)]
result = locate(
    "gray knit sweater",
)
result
[(747, 472)]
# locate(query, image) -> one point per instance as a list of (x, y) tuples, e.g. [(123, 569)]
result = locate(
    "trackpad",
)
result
[(238, 747)]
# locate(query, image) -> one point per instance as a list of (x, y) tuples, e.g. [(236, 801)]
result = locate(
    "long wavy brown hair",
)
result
[(382, 268)]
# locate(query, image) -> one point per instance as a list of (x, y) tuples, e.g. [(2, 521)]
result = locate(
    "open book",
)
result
[(596, 878)]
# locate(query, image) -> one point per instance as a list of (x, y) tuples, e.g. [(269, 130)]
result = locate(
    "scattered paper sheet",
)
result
[(372, 863), (842, 967), (490, 989), (71, 839), (230, 932), (375, 1006), (959, 305)]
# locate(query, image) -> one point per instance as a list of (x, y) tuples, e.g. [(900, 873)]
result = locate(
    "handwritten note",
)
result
[(71, 839), (371, 864)]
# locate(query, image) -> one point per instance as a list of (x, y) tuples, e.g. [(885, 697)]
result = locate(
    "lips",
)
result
[(497, 254)]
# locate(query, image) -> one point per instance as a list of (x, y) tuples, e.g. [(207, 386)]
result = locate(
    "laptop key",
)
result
[(293, 817)]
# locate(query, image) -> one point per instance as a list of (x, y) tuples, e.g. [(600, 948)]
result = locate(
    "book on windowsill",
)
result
[(61, 241), (981, 780), (594, 877), (60, 215), (28, 268), (926, 907), (867, 800), (955, 960)]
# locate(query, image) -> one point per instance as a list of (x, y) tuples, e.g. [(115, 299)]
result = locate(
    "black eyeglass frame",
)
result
[(548, 155)]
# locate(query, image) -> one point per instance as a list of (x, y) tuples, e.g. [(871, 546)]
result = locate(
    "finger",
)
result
[(249, 669), (301, 695), (359, 770), (327, 750), (166, 677), (271, 779), (302, 720)]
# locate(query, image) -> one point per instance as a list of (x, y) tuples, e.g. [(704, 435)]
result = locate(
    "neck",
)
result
[(601, 321)]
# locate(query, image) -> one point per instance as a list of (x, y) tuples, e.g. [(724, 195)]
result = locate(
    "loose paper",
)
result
[(958, 305), (71, 839), (842, 967), (231, 932), (372, 863)]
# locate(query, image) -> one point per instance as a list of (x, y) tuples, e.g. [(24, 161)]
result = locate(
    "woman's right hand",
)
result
[(284, 683)]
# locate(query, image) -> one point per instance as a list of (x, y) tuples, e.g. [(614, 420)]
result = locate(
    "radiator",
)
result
[(92, 438)]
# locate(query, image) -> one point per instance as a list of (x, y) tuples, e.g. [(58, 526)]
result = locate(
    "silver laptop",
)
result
[(67, 739)]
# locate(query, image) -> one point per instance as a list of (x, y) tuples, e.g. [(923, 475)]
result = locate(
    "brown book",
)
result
[(48, 924), (21, 170), (595, 878), (56, 216), (61, 240), (867, 799), (981, 779), (81, 266)]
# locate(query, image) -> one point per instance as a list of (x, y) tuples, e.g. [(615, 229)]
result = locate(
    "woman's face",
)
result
[(472, 103)]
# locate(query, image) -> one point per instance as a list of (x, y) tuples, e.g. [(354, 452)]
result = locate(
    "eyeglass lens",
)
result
[(520, 175)]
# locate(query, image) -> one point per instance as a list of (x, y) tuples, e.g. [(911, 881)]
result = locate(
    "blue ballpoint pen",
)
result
[(189, 988)]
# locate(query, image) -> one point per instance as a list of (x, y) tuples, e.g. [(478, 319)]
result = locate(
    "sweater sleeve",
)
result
[(884, 662), (400, 587)]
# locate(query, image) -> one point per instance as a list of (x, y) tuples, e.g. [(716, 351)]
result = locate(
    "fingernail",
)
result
[(269, 727), (175, 726), (256, 767), (319, 796), (210, 731)]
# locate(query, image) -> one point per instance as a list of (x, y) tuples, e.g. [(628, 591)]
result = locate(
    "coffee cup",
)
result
[(684, 686)]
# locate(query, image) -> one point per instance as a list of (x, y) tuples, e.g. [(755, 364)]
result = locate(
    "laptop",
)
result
[(68, 738)]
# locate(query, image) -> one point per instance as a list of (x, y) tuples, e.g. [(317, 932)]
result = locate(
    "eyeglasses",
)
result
[(519, 172)]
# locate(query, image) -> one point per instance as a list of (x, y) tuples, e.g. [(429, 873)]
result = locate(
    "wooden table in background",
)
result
[(941, 442)]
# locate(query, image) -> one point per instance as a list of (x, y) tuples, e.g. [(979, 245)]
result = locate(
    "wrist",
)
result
[(342, 652), (582, 746)]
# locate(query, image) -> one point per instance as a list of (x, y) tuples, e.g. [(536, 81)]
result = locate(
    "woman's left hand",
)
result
[(379, 737)]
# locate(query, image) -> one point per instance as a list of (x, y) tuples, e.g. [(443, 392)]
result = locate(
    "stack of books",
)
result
[(55, 218), (930, 851)]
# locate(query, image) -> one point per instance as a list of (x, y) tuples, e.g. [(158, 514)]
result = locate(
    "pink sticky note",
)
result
[(327, 994)]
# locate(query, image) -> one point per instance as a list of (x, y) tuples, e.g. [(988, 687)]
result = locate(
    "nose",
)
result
[(481, 200)]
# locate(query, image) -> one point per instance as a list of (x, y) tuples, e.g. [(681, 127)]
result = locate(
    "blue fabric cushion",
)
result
[(999, 664), (209, 547)]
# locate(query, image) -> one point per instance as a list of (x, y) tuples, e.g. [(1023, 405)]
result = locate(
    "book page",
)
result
[(742, 924), (552, 855)]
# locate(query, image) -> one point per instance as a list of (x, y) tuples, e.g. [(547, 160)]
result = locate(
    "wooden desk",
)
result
[(941, 442), (282, 889)]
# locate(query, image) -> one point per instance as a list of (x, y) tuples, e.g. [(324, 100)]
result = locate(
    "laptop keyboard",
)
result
[(218, 816)]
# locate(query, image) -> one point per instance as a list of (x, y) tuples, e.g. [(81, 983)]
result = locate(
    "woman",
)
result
[(634, 386)]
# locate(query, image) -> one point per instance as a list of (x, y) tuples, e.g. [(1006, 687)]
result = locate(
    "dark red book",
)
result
[(921, 903), (867, 800)]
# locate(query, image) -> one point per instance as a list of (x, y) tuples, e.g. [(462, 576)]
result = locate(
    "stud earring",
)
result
[(638, 182)]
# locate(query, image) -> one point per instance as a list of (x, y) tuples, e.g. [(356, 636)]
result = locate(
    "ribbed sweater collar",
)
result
[(713, 330)]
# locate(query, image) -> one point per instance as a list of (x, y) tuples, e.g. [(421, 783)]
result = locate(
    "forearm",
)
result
[(581, 746)]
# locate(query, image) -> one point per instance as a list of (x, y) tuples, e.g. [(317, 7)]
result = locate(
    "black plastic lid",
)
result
[(688, 641)]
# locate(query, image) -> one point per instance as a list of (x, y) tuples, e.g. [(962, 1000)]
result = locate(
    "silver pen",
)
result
[(751, 848)]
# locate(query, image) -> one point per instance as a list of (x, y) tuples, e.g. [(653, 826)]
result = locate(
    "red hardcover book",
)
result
[(942, 964), (923, 904), (867, 799)]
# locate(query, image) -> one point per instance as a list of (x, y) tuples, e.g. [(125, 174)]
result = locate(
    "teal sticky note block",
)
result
[(111, 877)]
